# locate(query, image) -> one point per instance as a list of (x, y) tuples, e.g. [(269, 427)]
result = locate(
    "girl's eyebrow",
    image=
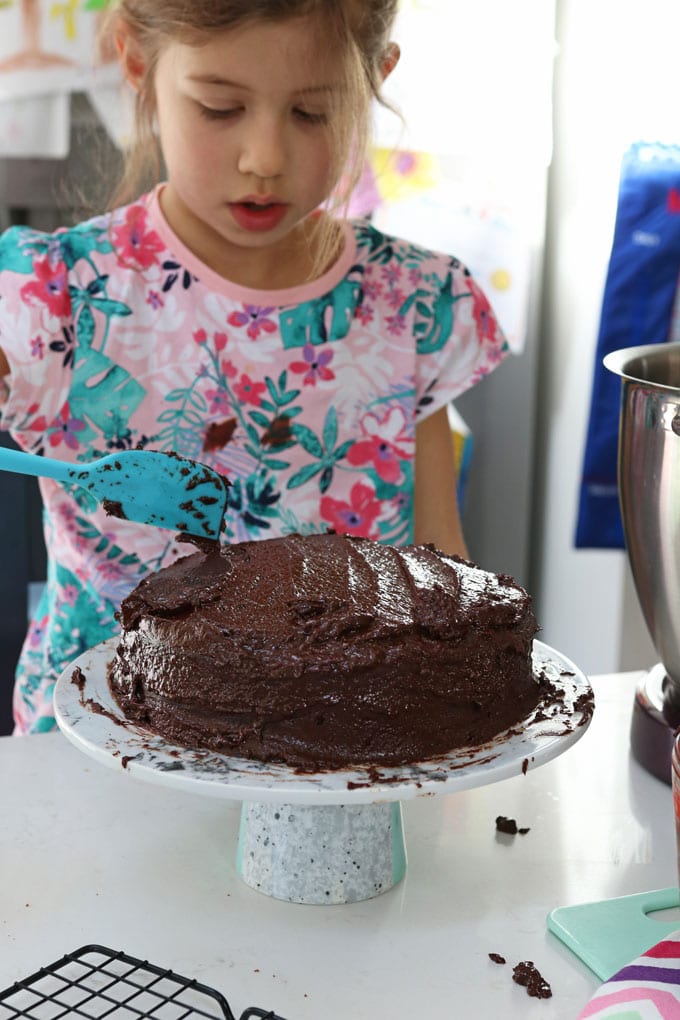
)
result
[(215, 79)]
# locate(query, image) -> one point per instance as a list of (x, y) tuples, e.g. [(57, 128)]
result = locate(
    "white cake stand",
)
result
[(326, 837)]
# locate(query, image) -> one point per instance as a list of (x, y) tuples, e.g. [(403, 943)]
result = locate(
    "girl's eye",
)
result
[(310, 118), (211, 113)]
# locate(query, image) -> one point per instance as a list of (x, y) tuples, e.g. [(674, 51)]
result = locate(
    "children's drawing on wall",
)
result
[(43, 35), (31, 55), (48, 49)]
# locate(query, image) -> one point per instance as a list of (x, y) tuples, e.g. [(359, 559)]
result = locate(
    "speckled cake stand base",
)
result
[(327, 853)]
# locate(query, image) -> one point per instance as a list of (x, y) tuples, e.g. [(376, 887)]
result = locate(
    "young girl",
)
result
[(231, 316)]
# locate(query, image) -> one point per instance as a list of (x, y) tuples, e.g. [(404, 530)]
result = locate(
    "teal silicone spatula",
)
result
[(161, 489)]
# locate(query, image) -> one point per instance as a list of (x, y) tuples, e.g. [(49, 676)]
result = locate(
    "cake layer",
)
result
[(325, 651)]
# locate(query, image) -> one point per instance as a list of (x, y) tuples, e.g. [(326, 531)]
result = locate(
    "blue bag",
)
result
[(637, 308)]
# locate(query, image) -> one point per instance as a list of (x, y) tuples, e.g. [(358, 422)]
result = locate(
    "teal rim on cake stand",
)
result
[(323, 837)]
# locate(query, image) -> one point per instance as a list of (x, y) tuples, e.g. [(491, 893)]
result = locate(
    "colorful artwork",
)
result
[(48, 49), (37, 34)]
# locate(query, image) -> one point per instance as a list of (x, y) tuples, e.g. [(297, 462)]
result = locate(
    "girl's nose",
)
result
[(262, 150)]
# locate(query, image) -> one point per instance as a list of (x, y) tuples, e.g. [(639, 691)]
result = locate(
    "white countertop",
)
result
[(92, 855)]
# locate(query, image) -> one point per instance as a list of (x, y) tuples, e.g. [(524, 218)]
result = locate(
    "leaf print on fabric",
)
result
[(434, 318), (50, 287), (84, 241), (16, 251), (327, 318), (93, 298), (66, 345), (104, 393), (426, 400), (72, 626), (273, 417), (114, 571), (380, 248), (254, 500), (325, 452), (356, 517), (387, 444), (280, 395), (314, 365), (176, 272), (86, 301), (182, 418), (124, 440)]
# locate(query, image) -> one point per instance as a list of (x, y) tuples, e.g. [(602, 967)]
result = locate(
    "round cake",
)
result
[(325, 651)]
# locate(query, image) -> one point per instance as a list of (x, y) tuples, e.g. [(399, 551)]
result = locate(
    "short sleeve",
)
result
[(36, 332), (458, 338)]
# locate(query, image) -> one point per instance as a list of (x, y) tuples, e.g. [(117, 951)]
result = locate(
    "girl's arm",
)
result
[(437, 519)]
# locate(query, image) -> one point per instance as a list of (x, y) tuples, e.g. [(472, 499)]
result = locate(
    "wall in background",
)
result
[(615, 83)]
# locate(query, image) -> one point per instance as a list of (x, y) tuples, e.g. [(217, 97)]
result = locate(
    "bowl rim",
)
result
[(619, 362)]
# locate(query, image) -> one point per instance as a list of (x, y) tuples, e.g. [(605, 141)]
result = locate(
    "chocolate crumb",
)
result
[(78, 678), (527, 975), (496, 958), (114, 508), (509, 826), (525, 766)]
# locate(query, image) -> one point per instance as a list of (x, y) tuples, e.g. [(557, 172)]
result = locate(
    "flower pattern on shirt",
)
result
[(119, 339)]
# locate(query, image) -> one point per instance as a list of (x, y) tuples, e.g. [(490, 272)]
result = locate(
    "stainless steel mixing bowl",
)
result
[(649, 494)]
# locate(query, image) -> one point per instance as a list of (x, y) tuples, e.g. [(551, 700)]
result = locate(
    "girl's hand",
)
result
[(437, 518)]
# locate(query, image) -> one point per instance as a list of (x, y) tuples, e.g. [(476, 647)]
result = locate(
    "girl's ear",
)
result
[(390, 60), (130, 56)]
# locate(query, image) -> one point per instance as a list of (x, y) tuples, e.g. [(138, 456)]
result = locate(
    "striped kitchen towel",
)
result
[(646, 989)]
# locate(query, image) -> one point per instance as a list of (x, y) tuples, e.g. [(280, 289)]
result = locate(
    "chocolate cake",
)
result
[(325, 651)]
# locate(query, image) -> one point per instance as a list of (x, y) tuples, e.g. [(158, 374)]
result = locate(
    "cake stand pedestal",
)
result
[(323, 837), (325, 853)]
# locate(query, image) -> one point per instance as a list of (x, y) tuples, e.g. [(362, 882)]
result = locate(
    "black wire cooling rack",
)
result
[(103, 984)]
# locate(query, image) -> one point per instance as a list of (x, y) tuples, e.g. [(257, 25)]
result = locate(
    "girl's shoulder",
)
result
[(375, 246), (23, 248)]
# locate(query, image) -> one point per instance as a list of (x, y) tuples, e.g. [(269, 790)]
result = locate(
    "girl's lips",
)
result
[(258, 216)]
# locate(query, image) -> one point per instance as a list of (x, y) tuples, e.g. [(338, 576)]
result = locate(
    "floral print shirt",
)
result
[(307, 399)]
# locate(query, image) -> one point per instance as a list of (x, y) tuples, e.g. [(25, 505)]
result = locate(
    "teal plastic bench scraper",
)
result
[(608, 934)]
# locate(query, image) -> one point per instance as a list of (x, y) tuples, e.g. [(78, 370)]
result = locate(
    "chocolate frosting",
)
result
[(325, 651)]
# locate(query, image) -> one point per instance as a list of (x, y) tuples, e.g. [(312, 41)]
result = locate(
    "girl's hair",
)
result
[(357, 29)]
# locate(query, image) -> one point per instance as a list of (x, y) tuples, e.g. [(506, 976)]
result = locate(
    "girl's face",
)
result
[(244, 127)]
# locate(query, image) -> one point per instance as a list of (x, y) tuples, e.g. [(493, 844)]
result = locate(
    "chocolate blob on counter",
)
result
[(325, 651)]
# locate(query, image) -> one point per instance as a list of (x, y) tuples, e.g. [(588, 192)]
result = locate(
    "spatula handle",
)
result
[(30, 464)]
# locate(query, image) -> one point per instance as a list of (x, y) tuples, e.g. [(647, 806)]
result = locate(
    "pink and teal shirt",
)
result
[(307, 399)]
